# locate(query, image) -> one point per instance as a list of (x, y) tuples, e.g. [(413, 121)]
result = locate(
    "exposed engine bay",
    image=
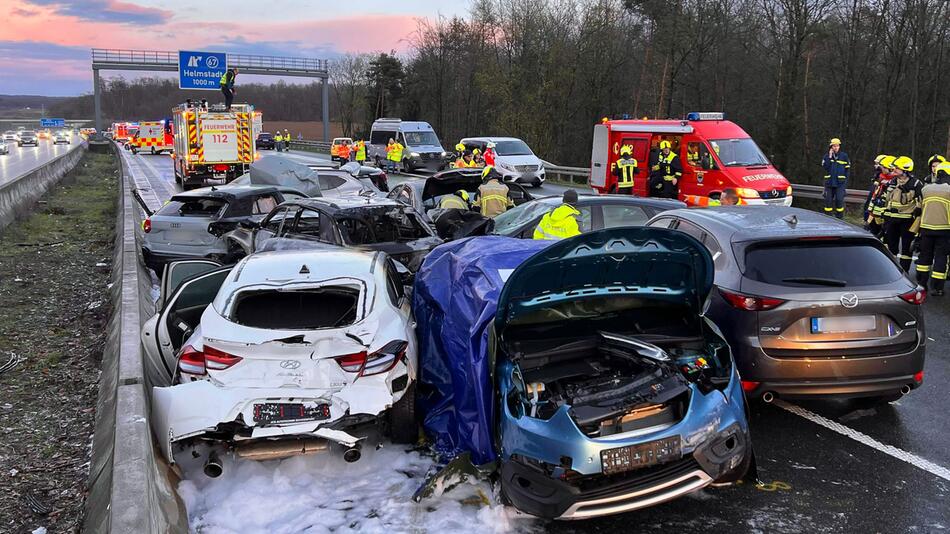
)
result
[(615, 384)]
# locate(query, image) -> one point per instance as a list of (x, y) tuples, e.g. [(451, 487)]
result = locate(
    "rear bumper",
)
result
[(818, 376)]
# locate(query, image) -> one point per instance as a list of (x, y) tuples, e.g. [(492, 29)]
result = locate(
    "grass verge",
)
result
[(54, 306)]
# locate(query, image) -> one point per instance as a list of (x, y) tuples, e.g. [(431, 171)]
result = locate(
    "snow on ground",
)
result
[(322, 493)]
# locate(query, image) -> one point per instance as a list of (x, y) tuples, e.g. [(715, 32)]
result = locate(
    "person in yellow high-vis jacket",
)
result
[(625, 169), (561, 222)]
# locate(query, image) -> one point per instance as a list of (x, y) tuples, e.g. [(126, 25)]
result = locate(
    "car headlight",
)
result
[(788, 191), (414, 154), (444, 153), (746, 192)]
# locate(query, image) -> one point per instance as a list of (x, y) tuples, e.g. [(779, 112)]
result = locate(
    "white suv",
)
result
[(514, 159)]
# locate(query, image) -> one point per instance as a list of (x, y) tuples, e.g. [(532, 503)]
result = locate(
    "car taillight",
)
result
[(196, 362), (917, 296), (919, 377), (147, 225), (749, 302), (384, 178), (748, 385), (191, 361), (375, 363), (217, 360)]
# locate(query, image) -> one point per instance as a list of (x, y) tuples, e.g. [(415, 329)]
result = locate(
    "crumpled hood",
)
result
[(643, 262)]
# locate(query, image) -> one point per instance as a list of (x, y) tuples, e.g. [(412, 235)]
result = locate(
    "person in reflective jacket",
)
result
[(561, 222), (935, 231), (625, 169), (665, 173), (456, 201), (493, 196), (837, 169), (903, 207)]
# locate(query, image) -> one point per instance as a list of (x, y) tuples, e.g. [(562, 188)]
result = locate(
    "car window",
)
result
[(405, 196), (264, 204), (381, 137), (328, 182), (511, 220), (833, 263), (621, 215), (515, 147), (394, 225), (308, 224), (584, 221), (300, 309), (276, 221), (393, 283), (665, 222), (193, 207), (691, 229), (420, 138)]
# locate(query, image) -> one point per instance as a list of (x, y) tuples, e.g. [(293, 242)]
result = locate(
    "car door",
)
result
[(178, 271), (163, 334), (614, 215)]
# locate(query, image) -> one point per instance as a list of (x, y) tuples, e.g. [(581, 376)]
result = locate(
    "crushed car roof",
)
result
[(225, 191)]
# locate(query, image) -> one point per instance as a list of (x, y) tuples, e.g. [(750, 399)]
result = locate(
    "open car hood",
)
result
[(449, 182), (284, 172), (654, 264)]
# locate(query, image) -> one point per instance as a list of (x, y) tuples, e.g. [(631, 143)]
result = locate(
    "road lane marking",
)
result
[(860, 437)]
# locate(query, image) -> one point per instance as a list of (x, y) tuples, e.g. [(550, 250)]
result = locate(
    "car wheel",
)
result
[(536, 185), (402, 418)]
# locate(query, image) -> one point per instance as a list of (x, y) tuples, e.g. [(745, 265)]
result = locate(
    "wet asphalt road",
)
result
[(812, 479), (23, 159)]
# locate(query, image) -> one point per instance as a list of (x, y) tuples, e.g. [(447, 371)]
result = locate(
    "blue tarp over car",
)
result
[(454, 300)]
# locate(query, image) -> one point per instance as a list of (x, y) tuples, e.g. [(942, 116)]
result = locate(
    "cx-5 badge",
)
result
[(849, 300)]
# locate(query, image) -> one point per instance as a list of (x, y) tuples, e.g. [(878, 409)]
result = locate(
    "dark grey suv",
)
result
[(812, 306)]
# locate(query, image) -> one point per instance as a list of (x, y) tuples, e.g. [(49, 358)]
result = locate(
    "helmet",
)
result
[(834, 141), (487, 171), (877, 160), (943, 172), (604, 120), (665, 144), (463, 194), (490, 144), (460, 147), (936, 157), (476, 151), (888, 162), (626, 149), (904, 163)]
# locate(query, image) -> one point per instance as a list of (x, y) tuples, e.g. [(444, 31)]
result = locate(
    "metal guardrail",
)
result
[(852, 196), (316, 146)]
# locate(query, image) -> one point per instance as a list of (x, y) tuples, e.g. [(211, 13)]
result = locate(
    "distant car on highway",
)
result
[(191, 224), (812, 306), (264, 141), (9, 135), (514, 159), (44, 134), (60, 137), (597, 212), (27, 137), (372, 178)]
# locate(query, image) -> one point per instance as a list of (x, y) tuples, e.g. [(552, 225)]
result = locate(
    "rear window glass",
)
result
[(326, 307), (816, 264), (193, 207), (392, 226)]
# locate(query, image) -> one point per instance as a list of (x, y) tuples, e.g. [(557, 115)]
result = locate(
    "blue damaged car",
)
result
[(613, 391)]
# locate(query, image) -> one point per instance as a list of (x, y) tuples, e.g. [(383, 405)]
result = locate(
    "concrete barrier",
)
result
[(18, 196), (131, 487)]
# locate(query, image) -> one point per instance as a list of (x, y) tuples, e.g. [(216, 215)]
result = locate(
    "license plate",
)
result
[(282, 412), (843, 325), (642, 455)]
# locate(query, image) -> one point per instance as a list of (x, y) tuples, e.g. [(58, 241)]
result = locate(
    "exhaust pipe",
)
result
[(905, 389), (352, 454), (768, 397), (213, 467)]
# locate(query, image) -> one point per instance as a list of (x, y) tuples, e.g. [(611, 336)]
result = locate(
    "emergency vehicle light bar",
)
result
[(705, 116)]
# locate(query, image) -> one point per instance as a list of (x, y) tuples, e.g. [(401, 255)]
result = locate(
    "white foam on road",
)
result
[(860, 437), (322, 493)]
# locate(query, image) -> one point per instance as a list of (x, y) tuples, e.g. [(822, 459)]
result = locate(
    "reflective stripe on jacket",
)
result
[(493, 198), (360, 151), (837, 168), (935, 207), (625, 171), (394, 152), (902, 200), (452, 202), (559, 223)]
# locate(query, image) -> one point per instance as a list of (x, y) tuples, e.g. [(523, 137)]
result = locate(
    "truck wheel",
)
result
[(153, 151), (403, 427)]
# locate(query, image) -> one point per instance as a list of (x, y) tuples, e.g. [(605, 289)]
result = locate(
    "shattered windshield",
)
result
[(382, 226)]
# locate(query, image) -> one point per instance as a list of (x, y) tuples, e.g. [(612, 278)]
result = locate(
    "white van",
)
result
[(422, 146), (514, 159)]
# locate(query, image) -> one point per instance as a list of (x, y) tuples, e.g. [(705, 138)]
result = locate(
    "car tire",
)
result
[(536, 185), (403, 426)]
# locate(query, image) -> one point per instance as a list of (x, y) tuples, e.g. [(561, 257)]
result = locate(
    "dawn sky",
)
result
[(45, 44)]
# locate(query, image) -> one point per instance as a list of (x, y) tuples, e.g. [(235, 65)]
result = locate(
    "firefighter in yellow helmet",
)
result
[(935, 231), (932, 163), (625, 169), (903, 206), (493, 196), (456, 201), (561, 222), (466, 160), (665, 173), (878, 198)]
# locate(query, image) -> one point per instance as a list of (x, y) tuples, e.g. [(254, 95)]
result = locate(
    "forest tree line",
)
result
[(792, 73)]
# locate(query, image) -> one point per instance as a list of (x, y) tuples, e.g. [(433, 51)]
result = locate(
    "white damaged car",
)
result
[(284, 353)]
